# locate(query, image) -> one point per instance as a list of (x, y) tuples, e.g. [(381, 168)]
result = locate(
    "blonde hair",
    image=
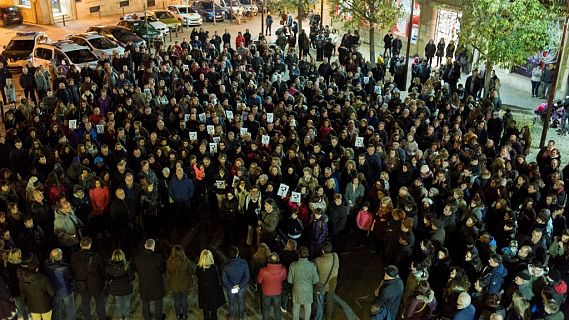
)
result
[(206, 259), (14, 256), (119, 256)]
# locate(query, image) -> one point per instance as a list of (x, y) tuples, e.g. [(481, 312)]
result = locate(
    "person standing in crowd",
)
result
[(89, 274), (271, 279), (327, 266), (181, 191), (210, 289), (59, 274), (387, 43), (13, 267), (235, 279), (430, 50), (119, 275), (535, 79), (66, 228), (37, 291), (440, 51), (150, 267), (396, 46), (390, 290), (269, 22), (179, 279), (302, 275)]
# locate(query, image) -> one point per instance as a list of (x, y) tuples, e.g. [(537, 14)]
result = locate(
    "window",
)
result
[(27, 3), (43, 53)]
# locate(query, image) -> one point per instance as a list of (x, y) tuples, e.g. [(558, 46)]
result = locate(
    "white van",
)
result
[(63, 53)]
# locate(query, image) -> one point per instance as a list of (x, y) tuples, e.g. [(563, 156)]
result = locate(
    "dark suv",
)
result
[(10, 15)]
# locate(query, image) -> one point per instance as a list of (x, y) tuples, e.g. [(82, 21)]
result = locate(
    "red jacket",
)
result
[(271, 279), (100, 200)]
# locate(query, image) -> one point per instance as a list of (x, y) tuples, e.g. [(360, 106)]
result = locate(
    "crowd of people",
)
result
[(292, 159)]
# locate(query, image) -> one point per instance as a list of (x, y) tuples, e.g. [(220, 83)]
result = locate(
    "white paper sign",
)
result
[(359, 142), (295, 197), (202, 117), (283, 190), (265, 139), (210, 129), (366, 80), (220, 184), (186, 117), (216, 139), (100, 128), (270, 117), (229, 114), (193, 136), (72, 124), (244, 115), (243, 131), (213, 147)]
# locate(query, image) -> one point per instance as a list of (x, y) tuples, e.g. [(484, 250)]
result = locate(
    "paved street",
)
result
[(359, 269)]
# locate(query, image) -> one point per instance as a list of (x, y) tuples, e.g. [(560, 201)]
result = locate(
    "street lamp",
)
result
[(409, 31)]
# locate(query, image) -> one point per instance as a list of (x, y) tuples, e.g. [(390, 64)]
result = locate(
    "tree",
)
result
[(300, 5), (369, 13), (506, 32)]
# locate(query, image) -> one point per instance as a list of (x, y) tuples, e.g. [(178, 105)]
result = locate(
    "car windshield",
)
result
[(209, 5), (184, 10), (121, 34), (81, 56), (246, 2), (140, 26), (26, 45), (102, 43), (164, 15)]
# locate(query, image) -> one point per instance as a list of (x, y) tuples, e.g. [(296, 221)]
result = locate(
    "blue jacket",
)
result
[(60, 277), (494, 279), (181, 190), (236, 272), (467, 313)]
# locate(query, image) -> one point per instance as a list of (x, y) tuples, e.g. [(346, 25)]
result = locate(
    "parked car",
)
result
[(186, 14), (99, 44), (250, 6), (232, 7), (152, 20), (142, 29), (166, 17), (10, 15), (63, 53), (18, 52), (118, 34), (209, 11)]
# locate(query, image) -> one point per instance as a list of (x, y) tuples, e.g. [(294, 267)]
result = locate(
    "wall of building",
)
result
[(112, 7)]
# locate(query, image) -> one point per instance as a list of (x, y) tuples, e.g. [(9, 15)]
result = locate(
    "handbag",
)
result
[(318, 286), (107, 287)]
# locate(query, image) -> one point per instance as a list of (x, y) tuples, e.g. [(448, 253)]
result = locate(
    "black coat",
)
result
[(430, 50), (119, 278), (210, 291), (150, 267), (37, 292), (390, 294), (93, 276)]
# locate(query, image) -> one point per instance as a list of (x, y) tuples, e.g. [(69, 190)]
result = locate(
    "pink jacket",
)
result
[(364, 220)]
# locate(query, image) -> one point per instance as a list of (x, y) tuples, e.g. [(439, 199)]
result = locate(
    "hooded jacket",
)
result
[(119, 278), (493, 278), (420, 307), (66, 228), (59, 274), (37, 292)]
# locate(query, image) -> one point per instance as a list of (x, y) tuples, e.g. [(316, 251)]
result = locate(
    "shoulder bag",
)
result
[(318, 286)]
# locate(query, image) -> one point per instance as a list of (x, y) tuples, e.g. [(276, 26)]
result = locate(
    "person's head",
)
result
[(206, 259), (327, 247), (291, 245), (391, 272), (56, 255), (303, 252), (28, 222), (150, 244), (495, 260), (233, 252), (86, 243), (118, 256), (551, 306), (463, 300), (274, 258)]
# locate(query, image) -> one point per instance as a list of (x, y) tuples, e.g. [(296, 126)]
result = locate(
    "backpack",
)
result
[(382, 314)]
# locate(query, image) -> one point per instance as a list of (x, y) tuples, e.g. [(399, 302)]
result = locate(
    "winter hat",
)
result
[(77, 188), (392, 271), (98, 160), (524, 275)]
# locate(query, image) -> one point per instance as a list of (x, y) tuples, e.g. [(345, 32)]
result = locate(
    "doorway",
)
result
[(448, 25)]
